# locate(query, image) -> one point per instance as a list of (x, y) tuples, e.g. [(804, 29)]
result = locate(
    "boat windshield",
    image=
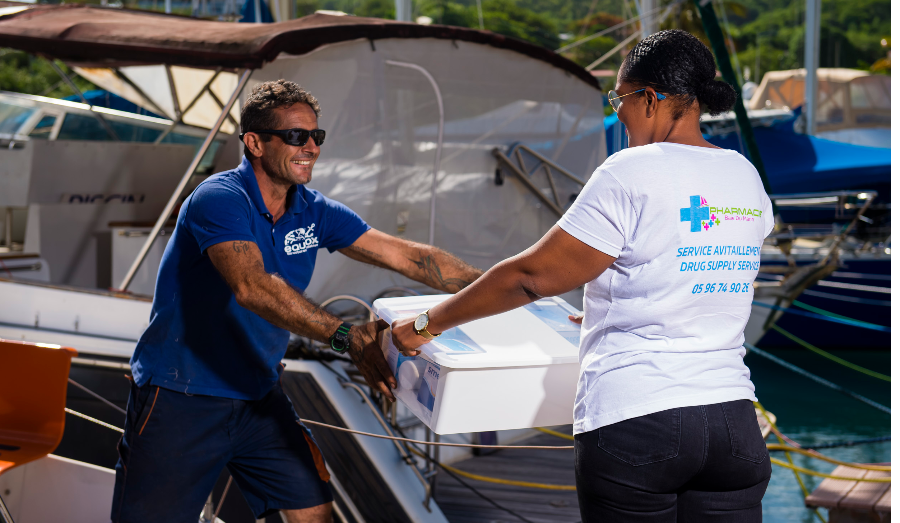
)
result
[(84, 127), (13, 116)]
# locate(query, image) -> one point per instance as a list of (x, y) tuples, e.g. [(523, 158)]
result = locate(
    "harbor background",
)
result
[(813, 415)]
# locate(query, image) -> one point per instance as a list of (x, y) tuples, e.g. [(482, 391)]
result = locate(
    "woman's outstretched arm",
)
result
[(556, 264)]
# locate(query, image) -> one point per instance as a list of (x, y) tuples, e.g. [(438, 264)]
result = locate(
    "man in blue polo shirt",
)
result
[(229, 290)]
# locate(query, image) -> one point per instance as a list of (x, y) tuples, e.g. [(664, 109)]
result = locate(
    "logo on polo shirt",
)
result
[(702, 215), (300, 240)]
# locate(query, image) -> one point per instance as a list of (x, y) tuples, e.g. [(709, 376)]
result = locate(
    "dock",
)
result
[(853, 501), (557, 467)]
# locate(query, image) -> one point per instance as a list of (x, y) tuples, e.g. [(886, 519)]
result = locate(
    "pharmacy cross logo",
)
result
[(697, 213), (300, 240)]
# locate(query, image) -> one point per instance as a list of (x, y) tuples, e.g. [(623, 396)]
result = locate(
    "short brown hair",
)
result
[(257, 112)]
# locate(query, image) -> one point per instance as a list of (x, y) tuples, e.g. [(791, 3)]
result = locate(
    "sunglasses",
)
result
[(295, 137), (615, 100)]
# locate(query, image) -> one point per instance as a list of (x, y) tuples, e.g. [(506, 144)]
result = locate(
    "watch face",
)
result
[(421, 321)]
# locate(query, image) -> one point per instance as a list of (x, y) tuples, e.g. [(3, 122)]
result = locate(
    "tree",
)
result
[(21, 72)]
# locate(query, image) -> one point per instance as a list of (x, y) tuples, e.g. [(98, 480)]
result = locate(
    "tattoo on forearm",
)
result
[(366, 252), (433, 276), (370, 257), (240, 247)]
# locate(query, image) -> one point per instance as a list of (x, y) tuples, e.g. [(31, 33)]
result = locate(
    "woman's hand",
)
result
[(577, 318), (405, 337)]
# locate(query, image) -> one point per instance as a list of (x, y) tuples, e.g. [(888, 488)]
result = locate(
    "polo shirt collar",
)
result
[(296, 194)]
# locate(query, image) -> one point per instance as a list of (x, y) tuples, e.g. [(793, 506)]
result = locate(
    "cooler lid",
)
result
[(539, 333)]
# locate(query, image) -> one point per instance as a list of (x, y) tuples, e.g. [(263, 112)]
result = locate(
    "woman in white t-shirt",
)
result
[(665, 238)]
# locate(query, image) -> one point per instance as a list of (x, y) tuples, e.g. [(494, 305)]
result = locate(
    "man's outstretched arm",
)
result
[(420, 262), (272, 298)]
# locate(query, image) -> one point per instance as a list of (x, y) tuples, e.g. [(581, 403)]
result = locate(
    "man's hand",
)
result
[(577, 318), (405, 337), (366, 354)]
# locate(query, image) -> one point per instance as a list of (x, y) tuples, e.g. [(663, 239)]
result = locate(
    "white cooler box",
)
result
[(515, 370)]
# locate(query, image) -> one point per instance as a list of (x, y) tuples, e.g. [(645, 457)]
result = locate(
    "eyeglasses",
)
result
[(615, 100), (295, 137)]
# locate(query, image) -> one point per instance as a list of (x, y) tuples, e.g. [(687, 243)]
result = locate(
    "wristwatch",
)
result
[(421, 326), (340, 340)]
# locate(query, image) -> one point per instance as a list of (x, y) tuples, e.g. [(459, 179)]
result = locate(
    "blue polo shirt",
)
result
[(200, 341)]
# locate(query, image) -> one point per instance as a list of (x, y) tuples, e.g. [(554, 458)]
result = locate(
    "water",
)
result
[(812, 414)]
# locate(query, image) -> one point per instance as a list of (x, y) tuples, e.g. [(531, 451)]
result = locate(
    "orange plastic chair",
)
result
[(33, 382)]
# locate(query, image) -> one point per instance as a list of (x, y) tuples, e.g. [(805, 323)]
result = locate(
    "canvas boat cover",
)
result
[(116, 37), (848, 98)]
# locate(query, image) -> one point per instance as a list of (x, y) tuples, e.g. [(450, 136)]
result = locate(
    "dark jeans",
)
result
[(690, 464)]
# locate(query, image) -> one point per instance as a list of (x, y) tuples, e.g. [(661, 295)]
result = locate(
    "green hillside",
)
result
[(766, 34)]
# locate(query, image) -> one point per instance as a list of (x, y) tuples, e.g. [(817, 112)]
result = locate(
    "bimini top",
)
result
[(117, 37)]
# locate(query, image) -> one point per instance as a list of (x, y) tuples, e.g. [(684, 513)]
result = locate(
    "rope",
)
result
[(822, 311), (849, 443), (851, 299), (793, 446), (222, 499), (434, 443), (821, 381), (95, 420), (456, 477), (795, 468), (554, 433), (830, 356), (826, 317), (498, 481), (816, 455), (774, 428), (99, 397)]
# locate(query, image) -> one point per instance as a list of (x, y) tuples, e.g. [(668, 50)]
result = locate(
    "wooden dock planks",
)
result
[(860, 497), (831, 491), (865, 495), (461, 505), (884, 504)]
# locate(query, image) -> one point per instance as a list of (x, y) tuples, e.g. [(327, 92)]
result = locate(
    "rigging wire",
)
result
[(587, 19), (613, 28), (817, 379), (823, 312), (840, 319), (851, 443), (830, 356), (97, 396), (850, 299), (434, 443)]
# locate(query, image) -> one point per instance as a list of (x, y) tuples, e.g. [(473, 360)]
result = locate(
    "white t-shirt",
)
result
[(664, 325)]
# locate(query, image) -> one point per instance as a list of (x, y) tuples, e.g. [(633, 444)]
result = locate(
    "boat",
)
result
[(481, 167), (411, 148)]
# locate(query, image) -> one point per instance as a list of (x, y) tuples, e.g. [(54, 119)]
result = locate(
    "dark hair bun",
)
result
[(718, 97), (677, 64)]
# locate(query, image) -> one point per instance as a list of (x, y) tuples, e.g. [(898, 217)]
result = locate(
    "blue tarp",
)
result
[(248, 12), (800, 163), (102, 98)]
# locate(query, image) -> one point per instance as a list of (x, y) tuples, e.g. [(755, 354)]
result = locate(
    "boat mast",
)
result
[(649, 24), (717, 41), (811, 61), (403, 10)]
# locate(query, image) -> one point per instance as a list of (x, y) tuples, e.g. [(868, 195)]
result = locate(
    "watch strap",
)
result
[(340, 340), (423, 332)]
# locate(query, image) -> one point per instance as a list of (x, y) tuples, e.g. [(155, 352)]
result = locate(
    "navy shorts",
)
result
[(175, 447)]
